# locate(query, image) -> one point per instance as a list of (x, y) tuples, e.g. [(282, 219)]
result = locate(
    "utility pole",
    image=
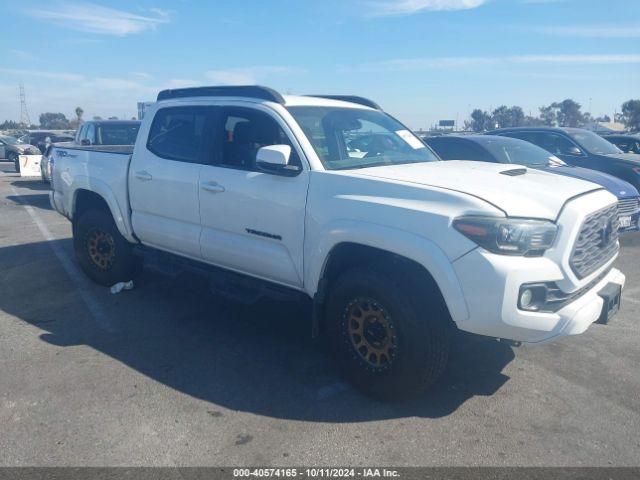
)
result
[(24, 113)]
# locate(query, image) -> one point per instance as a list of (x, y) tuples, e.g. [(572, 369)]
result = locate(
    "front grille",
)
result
[(628, 206), (597, 242)]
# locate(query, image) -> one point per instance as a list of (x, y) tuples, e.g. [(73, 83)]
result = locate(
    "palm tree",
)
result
[(79, 113)]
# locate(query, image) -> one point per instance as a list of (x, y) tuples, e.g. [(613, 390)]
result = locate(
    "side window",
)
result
[(556, 144), (244, 131), (177, 133)]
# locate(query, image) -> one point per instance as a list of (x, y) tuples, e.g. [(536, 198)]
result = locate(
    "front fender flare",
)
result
[(405, 244)]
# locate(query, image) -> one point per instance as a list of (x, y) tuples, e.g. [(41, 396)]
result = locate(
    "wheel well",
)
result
[(87, 200), (348, 255)]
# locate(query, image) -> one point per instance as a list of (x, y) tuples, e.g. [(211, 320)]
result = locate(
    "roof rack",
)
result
[(351, 98), (252, 91)]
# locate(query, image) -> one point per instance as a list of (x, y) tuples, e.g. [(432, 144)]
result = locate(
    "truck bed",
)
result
[(100, 169)]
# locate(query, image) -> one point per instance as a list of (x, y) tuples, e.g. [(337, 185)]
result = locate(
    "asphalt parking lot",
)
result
[(167, 374)]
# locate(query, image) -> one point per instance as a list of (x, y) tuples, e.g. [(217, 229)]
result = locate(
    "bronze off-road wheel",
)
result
[(389, 333), (103, 253)]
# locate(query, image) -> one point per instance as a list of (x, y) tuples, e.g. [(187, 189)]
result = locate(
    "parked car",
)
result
[(498, 149), (11, 148), (108, 132), (626, 143), (45, 161), (393, 248), (37, 138), (581, 148)]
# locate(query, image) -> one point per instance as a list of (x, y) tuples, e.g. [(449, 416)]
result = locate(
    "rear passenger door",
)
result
[(253, 222), (163, 180)]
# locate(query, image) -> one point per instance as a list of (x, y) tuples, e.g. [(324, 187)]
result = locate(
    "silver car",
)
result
[(11, 148)]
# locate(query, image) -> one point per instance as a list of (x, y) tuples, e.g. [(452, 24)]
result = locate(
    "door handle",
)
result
[(213, 187), (144, 175)]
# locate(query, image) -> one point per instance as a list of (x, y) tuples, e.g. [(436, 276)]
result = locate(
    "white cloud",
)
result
[(22, 55), (111, 84), (596, 31), (249, 75), (25, 74), (92, 18), (407, 7), (577, 59), (412, 64), (143, 75), (180, 83)]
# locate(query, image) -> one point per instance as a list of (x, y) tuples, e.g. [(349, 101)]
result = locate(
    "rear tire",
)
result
[(104, 255), (390, 335), (13, 157)]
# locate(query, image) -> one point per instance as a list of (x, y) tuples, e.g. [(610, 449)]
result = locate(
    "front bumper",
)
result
[(491, 284)]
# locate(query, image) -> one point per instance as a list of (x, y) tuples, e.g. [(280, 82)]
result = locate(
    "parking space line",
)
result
[(82, 285)]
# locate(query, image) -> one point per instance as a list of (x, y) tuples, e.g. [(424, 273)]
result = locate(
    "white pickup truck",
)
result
[(331, 199)]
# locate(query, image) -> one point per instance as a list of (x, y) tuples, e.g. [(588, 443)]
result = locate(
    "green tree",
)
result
[(480, 121), (54, 121), (504, 116), (569, 114), (631, 114), (548, 116), (9, 125)]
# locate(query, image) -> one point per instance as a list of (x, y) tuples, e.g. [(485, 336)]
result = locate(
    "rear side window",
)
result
[(458, 149), (554, 143), (117, 134), (177, 133)]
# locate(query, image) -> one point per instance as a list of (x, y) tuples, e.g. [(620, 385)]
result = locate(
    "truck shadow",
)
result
[(258, 358), (37, 200), (32, 185)]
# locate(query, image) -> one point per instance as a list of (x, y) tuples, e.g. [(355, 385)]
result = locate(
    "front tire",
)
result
[(390, 336), (104, 255)]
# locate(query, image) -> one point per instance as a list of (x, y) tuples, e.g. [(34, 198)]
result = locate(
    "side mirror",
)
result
[(85, 141), (574, 151), (274, 159)]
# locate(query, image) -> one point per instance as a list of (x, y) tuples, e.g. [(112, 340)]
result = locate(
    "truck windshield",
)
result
[(348, 138), (594, 143)]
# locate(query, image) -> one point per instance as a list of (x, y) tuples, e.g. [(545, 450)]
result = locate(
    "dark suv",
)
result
[(108, 132), (628, 143), (581, 148)]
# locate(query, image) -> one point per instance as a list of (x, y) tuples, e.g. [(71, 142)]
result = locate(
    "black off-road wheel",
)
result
[(103, 253), (13, 157), (390, 335)]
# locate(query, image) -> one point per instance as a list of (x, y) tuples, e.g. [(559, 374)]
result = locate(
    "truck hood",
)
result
[(614, 185), (533, 194)]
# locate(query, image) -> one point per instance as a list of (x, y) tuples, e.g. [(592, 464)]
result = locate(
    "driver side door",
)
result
[(252, 221)]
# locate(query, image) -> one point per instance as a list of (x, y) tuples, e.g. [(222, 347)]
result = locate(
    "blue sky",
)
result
[(422, 60)]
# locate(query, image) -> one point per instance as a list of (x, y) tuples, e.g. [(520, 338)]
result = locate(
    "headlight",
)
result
[(508, 236)]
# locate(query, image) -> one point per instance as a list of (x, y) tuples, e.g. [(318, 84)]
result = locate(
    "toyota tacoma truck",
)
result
[(329, 199)]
